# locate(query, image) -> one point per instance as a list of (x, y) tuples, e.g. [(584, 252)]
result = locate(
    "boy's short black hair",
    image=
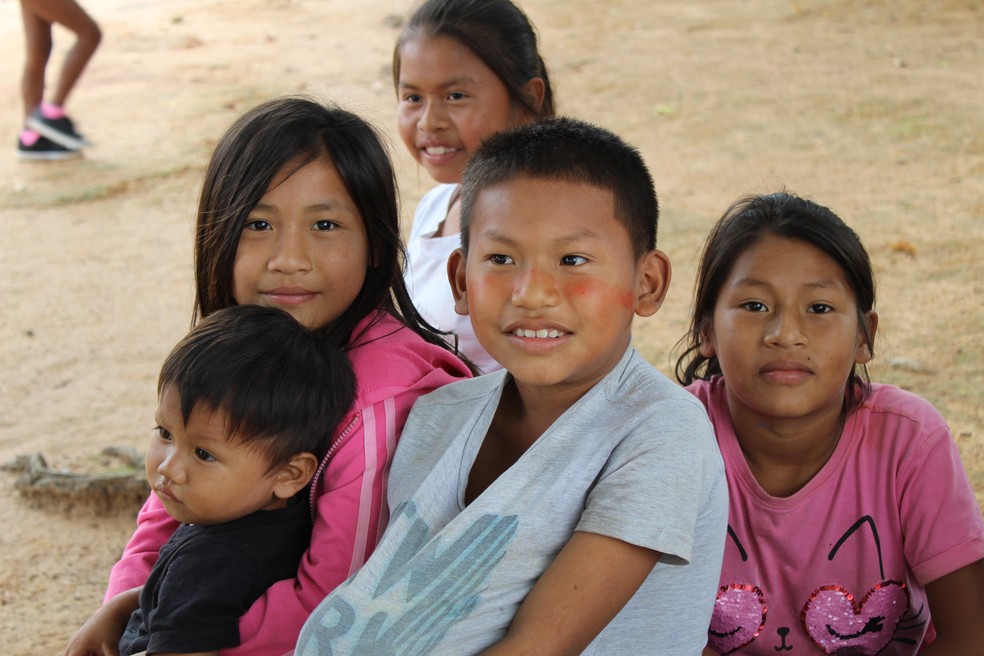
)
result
[(569, 150), (283, 387)]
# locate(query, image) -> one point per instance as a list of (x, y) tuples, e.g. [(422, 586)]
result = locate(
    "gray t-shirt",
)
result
[(634, 459)]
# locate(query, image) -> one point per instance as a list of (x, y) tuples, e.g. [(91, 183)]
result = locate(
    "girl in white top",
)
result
[(463, 69)]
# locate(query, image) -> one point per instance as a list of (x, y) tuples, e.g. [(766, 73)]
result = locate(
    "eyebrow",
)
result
[(580, 235), (454, 82), (824, 283), (316, 207), (211, 441)]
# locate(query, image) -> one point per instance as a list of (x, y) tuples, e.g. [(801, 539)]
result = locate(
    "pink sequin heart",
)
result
[(739, 615), (835, 622)]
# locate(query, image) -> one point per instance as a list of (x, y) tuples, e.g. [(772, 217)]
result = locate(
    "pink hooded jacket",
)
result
[(393, 367)]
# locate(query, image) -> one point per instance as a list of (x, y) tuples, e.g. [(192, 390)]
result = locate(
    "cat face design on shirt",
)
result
[(837, 620)]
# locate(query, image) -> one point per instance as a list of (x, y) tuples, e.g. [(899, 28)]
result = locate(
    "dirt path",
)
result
[(872, 108)]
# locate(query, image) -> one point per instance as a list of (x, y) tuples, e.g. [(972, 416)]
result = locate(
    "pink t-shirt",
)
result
[(842, 563)]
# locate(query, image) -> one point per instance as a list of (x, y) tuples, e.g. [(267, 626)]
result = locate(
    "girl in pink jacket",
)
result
[(298, 210)]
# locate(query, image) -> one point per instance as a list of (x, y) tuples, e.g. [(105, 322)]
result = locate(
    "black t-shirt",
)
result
[(207, 577)]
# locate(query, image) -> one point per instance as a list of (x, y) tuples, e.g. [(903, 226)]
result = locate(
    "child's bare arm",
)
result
[(100, 635), (956, 604), (587, 584)]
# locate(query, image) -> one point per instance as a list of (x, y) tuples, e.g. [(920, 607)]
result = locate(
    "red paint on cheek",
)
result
[(600, 291), (483, 286)]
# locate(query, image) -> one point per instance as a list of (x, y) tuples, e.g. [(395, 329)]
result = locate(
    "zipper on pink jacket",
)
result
[(324, 461)]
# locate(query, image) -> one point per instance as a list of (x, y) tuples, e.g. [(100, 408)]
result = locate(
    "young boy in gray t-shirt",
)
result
[(576, 501)]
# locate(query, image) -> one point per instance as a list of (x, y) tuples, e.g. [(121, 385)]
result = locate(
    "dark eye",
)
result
[(204, 455), (820, 308), (456, 95), (162, 433), (324, 225), (257, 225), (754, 306), (411, 98), (573, 260), (498, 258)]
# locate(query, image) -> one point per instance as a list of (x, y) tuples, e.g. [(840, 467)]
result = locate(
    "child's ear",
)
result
[(866, 343), (536, 91), (293, 476), (459, 286), (654, 280), (705, 346)]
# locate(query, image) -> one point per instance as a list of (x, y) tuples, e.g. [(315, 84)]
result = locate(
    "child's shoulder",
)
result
[(633, 387), (894, 420), (439, 195), (636, 383), (467, 390), (709, 391), (639, 407), (889, 402), (389, 358), (432, 209)]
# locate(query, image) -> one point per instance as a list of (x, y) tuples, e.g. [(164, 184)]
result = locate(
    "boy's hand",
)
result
[(100, 635)]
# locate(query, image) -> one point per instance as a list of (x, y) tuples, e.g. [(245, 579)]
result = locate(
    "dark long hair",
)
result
[(497, 31), (785, 215), (296, 131)]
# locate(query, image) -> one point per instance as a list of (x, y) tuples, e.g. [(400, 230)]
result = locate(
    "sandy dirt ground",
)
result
[(873, 108)]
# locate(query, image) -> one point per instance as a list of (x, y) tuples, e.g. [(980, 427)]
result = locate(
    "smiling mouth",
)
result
[(543, 333), (439, 150)]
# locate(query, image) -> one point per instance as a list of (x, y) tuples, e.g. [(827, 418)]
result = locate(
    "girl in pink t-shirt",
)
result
[(298, 210), (852, 527)]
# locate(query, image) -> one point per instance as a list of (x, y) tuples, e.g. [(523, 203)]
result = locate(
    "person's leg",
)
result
[(88, 35), (37, 39), (49, 118)]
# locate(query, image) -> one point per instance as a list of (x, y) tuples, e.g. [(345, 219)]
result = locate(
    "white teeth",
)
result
[(438, 150), (543, 333)]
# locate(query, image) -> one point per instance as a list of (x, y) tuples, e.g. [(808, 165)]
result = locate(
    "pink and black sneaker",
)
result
[(37, 147), (55, 125)]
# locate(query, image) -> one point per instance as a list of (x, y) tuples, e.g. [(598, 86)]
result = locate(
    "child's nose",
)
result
[(785, 330), (535, 288), (434, 117), (291, 254), (171, 468)]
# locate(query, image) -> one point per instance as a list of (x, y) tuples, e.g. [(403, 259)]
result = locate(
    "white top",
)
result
[(427, 275)]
